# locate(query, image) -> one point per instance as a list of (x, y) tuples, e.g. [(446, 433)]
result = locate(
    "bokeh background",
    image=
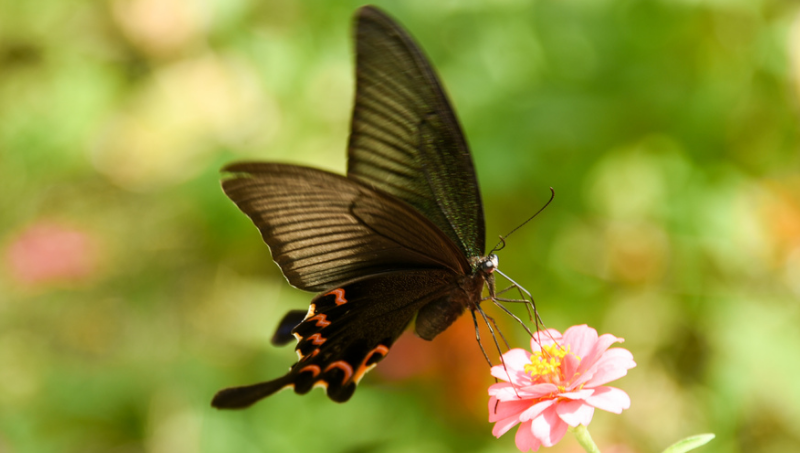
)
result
[(132, 289)]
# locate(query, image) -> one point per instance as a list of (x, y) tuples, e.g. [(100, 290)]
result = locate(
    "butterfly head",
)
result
[(488, 264)]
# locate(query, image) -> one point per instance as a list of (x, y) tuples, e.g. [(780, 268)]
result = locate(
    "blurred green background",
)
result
[(132, 289)]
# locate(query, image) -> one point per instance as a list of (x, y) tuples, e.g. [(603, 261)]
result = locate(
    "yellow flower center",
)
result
[(546, 364)]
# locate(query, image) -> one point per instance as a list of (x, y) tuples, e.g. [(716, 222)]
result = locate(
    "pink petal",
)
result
[(609, 399), (604, 376), (577, 394), (507, 392), (583, 377), (504, 425), (581, 340), (612, 365), (548, 427), (524, 438), (503, 391), (499, 410), (536, 410), (569, 366), (538, 390), (517, 358), (575, 413), (514, 369), (604, 342)]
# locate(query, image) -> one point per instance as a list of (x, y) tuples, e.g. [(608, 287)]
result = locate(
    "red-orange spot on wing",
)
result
[(314, 369), (312, 354), (339, 293), (321, 319), (363, 368), (316, 339), (344, 366)]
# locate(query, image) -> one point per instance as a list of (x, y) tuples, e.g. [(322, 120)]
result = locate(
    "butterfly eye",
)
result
[(489, 264)]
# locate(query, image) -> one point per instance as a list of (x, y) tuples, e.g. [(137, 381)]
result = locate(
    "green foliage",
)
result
[(690, 443)]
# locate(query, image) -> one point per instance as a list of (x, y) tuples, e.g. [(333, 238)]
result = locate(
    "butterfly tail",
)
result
[(246, 396)]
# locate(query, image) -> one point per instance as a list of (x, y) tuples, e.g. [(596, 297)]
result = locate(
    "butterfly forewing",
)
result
[(405, 139), (324, 229)]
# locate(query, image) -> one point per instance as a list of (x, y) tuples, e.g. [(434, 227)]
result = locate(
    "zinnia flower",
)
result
[(558, 385)]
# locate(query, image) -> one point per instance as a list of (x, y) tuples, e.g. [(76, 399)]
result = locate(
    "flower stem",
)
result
[(582, 434)]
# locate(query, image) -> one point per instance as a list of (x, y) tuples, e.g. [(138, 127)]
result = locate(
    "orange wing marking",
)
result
[(314, 369), (312, 354), (344, 366), (339, 293), (317, 339), (321, 319), (363, 368)]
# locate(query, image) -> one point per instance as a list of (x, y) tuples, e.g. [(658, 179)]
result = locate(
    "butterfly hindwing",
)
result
[(283, 333), (347, 331), (405, 139)]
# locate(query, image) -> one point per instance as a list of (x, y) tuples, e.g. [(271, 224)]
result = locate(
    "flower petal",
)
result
[(569, 365), (609, 399), (581, 339), (499, 410), (575, 413), (502, 426), (513, 367), (524, 438), (548, 427), (614, 364), (503, 391), (536, 410), (601, 345), (508, 392), (577, 394), (538, 390)]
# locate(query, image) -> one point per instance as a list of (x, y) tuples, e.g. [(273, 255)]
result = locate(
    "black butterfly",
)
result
[(401, 238)]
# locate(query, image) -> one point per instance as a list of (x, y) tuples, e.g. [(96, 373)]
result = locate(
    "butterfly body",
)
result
[(398, 240)]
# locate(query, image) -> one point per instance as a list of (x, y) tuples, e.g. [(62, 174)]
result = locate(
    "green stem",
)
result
[(582, 434)]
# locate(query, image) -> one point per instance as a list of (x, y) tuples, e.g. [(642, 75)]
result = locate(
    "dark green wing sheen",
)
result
[(405, 139)]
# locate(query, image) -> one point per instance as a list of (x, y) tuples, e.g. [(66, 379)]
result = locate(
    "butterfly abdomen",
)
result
[(439, 314)]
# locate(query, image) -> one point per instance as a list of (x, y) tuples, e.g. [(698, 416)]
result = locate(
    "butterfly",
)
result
[(400, 239)]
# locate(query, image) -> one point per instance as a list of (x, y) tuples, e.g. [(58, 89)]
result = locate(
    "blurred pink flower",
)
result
[(558, 385), (48, 252)]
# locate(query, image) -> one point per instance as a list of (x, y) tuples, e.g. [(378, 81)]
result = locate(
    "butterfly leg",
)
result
[(494, 323), (508, 312), (517, 285), (491, 331), (496, 300), (486, 319), (478, 337), (522, 300)]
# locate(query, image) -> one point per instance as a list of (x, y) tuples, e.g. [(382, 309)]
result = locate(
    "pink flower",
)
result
[(49, 252), (557, 386)]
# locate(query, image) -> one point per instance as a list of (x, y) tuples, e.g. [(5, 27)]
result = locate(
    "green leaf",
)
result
[(690, 443)]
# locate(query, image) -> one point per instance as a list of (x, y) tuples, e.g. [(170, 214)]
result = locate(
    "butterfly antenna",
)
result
[(500, 245)]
